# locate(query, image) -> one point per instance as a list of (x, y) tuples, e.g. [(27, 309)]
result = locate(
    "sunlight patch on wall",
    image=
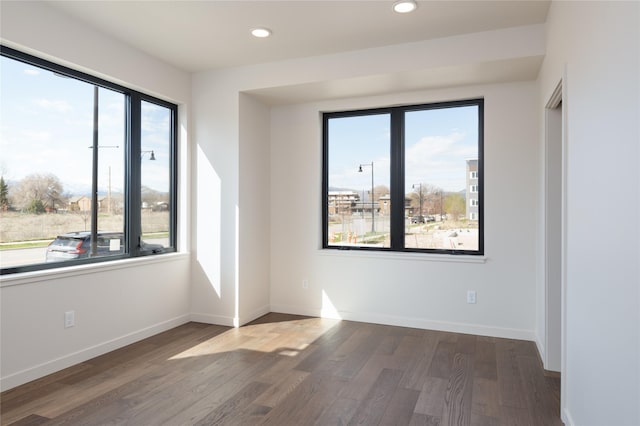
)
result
[(328, 309), (208, 220), (184, 185), (236, 318)]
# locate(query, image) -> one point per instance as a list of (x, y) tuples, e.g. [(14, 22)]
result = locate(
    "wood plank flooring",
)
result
[(291, 370)]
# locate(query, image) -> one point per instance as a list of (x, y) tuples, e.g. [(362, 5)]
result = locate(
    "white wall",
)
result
[(231, 205), (117, 303), (215, 209), (411, 289), (231, 265), (597, 43), (254, 206), (114, 306)]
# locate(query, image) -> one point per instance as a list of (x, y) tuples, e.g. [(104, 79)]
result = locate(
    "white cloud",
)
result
[(439, 160), (431, 147), (349, 177), (57, 106), (36, 136), (31, 71)]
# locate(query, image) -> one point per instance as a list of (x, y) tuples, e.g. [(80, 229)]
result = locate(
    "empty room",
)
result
[(320, 212)]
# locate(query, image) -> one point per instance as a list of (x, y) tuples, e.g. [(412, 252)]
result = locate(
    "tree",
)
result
[(85, 215), (380, 191), (45, 188), (35, 207), (432, 198), (454, 205), (4, 195)]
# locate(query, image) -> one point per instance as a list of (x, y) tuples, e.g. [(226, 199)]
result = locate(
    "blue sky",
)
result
[(438, 142), (46, 126)]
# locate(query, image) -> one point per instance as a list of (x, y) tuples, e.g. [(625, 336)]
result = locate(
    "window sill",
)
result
[(77, 270), (412, 256)]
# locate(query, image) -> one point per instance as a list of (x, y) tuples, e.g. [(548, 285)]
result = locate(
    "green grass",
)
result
[(378, 239), (19, 228), (36, 244), (24, 244), (155, 235)]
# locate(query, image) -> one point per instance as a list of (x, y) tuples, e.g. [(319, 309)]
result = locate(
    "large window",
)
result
[(404, 178), (87, 168)]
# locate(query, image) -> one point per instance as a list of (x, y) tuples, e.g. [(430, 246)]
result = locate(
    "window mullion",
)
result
[(94, 175), (397, 179), (133, 174), (325, 181), (173, 201), (480, 104)]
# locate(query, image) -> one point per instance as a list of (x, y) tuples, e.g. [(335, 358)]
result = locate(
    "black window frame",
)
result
[(132, 141), (397, 172)]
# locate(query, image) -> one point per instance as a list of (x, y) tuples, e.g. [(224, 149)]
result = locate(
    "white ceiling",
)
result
[(203, 35)]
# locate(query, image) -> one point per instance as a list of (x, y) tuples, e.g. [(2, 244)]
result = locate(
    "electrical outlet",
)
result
[(471, 296), (69, 319), (305, 284)]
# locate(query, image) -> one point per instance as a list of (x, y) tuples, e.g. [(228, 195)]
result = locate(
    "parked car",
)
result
[(77, 245), (418, 219)]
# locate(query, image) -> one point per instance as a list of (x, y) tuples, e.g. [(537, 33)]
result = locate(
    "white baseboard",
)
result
[(41, 370), (481, 330), (540, 347), (566, 418), (245, 319), (213, 319), (230, 321)]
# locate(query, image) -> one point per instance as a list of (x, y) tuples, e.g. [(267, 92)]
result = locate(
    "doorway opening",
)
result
[(554, 184)]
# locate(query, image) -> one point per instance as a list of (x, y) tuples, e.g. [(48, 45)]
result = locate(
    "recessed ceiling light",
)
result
[(261, 32), (405, 6)]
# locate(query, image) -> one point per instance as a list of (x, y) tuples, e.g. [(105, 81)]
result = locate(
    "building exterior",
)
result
[(471, 194), (342, 202), (384, 206), (82, 203)]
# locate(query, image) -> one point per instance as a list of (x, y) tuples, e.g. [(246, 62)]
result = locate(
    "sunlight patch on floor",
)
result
[(277, 337)]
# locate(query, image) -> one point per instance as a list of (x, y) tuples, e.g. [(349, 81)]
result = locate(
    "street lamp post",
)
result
[(420, 194), (152, 155), (373, 228), (94, 175)]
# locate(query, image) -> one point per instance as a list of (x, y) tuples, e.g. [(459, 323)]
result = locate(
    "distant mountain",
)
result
[(462, 192), (334, 188)]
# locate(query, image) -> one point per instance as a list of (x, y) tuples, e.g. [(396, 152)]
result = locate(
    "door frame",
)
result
[(558, 96)]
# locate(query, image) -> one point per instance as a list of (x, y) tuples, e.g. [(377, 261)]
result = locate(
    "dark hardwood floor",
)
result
[(292, 370)]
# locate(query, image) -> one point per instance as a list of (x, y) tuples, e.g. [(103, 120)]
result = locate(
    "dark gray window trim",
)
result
[(132, 228), (397, 175)]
